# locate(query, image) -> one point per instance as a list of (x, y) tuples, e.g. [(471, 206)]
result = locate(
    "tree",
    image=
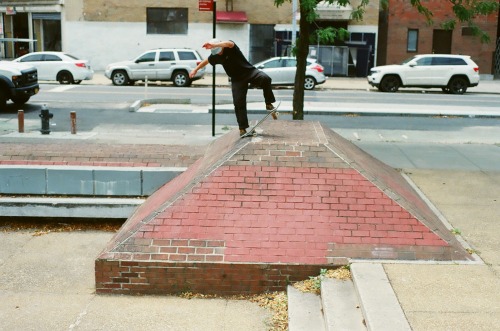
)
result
[(465, 12)]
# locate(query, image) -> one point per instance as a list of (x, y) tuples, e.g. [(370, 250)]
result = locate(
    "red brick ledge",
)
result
[(166, 278)]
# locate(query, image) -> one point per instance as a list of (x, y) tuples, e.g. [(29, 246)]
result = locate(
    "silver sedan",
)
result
[(282, 71)]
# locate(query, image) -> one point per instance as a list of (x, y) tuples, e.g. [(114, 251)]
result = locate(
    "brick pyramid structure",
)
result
[(256, 213)]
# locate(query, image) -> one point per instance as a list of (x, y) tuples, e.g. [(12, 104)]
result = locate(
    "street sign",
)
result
[(205, 5)]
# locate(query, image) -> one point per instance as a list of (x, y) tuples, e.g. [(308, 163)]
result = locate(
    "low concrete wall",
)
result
[(84, 181)]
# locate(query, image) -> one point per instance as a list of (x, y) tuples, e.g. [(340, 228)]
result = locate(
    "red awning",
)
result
[(231, 17)]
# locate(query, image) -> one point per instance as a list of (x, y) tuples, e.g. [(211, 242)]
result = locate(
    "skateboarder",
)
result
[(242, 73)]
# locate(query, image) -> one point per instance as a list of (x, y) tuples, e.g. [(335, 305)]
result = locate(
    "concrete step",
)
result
[(380, 306), (368, 302), (305, 312), (341, 307)]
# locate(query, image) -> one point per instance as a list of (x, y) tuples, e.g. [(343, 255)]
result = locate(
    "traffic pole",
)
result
[(214, 21)]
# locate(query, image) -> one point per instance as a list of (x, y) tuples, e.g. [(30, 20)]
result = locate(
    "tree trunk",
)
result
[(300, 75)]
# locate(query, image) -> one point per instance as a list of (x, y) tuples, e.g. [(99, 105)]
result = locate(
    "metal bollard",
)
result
[(73, 122), (45, 115), (20, 121)]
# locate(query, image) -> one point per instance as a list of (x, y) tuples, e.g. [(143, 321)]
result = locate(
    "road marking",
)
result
[(381, 136), (404, 136), (356, 135), (61, 88)]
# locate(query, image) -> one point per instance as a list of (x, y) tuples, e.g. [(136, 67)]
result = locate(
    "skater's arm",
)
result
[(210, 45), (198, 67)]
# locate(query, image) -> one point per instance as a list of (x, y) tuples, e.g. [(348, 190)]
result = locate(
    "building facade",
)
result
[(404, 32), (27, 26), (106, 31)]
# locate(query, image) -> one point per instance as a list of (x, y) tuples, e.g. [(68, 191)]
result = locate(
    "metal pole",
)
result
[(20, 121), (73, 122), (214, 21)]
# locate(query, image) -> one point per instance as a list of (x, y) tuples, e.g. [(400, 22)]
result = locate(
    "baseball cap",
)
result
[(215, 50)]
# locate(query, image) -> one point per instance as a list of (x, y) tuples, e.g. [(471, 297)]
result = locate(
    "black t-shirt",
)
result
[(234, 63)]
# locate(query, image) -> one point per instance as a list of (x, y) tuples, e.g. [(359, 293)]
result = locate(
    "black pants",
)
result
[(240, 89)]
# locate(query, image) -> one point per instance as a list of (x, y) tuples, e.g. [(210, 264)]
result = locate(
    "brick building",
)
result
[(404, 32)]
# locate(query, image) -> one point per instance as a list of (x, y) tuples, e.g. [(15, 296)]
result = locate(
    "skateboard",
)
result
[(251, 131)]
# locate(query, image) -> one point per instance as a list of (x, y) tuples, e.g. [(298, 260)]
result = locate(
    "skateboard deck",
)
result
[(251, 131)]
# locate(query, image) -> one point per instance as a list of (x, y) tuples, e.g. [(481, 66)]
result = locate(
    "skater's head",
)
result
[(215, 50)]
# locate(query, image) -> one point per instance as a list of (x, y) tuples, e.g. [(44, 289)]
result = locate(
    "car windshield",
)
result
[(407, 60)]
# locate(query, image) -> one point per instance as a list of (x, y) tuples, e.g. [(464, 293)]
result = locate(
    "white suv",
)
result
[(452, 73), (157, 65)]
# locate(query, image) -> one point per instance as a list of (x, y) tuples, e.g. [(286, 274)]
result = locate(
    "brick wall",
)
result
[(402, 16), (137, 277)]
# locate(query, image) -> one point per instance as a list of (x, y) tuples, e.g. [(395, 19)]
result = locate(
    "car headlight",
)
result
[(17, 80)]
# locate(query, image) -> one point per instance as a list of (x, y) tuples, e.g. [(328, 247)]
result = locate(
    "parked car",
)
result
[(18, 82), (452, 73), (282, 71), (58, 66), (157, 65)]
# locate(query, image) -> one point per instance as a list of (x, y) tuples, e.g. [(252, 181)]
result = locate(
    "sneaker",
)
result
[(242, 132), (270, 107)]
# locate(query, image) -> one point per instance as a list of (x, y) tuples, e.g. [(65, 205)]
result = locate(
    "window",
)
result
[(448, 61), (425, 61), (167, 56), (467, 31), (412, 41), (291, 63), (186, 55), (167, 20), (32, 58), (272, 64), (148, 57), (51, 57)]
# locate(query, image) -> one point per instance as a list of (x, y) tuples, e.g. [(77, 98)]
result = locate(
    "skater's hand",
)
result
[(208, 45), (192, 73)]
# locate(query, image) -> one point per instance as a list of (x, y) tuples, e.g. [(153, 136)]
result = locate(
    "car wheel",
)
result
[(389, 84), (65, 77), (457, 85), (181, 79), (20, 100), (309, 83), (119, 78), (77, 82)]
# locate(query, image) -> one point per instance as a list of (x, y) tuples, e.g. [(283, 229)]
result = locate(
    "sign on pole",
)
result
[(205, 5)]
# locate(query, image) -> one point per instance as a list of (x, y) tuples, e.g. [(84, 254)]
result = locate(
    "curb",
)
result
[(379, 303)]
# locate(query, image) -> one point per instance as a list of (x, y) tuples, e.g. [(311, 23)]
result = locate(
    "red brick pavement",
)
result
[(98, 154)]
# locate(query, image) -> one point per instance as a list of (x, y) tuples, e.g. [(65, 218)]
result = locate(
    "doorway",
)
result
[(441, 41)]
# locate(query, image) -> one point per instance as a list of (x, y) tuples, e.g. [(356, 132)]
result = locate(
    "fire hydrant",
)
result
[(45, 115)]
